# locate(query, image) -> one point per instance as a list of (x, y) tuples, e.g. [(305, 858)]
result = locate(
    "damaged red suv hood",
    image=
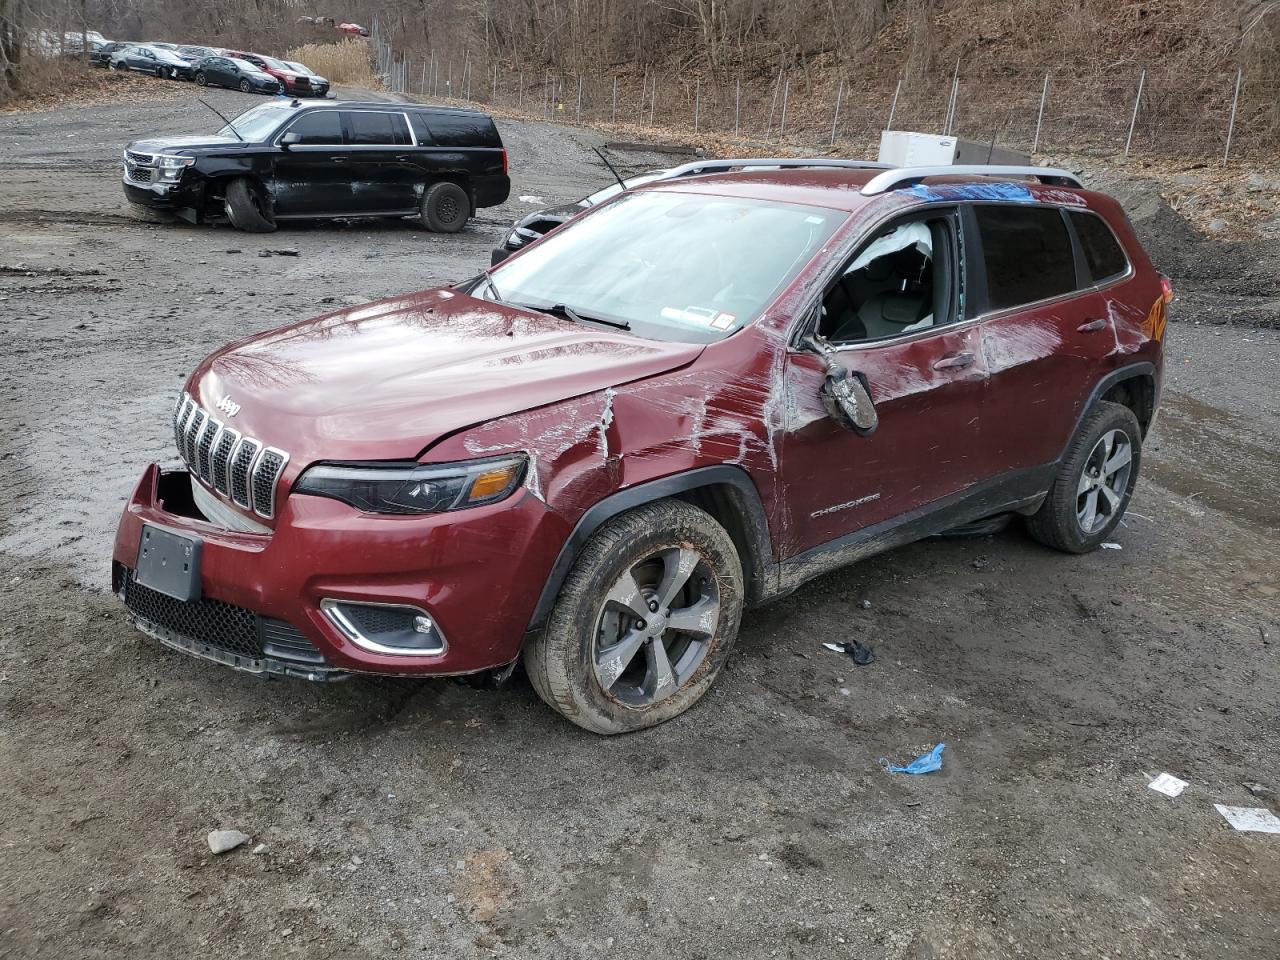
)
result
[(385, 380)]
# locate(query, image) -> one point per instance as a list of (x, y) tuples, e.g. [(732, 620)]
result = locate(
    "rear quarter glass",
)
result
[(455, 130)]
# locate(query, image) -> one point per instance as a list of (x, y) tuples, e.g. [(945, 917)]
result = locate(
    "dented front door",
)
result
[(928, 393)]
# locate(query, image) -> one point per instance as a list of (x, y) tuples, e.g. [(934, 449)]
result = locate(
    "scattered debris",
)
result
[(866, 604), (529, 199), (1258, 790), (220, 841), (1254, 819), (1168, 784), (925, 763), (281, 252), (861, 653), (260, 849), (1112, 546)]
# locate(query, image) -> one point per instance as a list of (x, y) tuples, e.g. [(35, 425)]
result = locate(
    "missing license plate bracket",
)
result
[(169, 563)]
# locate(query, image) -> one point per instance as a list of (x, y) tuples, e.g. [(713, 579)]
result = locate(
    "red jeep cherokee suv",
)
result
[(689, 400)]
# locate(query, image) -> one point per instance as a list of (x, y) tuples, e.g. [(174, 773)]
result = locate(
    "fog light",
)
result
[(390, 628)]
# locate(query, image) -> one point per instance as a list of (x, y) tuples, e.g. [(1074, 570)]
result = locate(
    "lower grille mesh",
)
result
[(222, 626)]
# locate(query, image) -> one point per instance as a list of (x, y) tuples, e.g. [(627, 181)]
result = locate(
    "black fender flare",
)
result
[(1130, 371), (752, 541)]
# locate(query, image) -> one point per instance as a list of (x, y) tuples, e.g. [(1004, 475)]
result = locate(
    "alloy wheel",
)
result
[(656, 627), (1104, 481)]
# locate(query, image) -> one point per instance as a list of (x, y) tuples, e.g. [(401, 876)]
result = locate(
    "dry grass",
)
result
[(344, 62), (56, 83)]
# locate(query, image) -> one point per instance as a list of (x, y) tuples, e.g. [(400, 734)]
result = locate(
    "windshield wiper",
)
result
[(565, 310)]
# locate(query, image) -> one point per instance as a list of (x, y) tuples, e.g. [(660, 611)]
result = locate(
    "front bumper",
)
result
[(478, 573), (163, 196)]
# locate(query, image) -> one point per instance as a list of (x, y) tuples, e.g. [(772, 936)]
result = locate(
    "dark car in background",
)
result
[(191, 53), (146, 58), (319, 85), (293, 160), (101, 56), (294, 83), (234, 74)]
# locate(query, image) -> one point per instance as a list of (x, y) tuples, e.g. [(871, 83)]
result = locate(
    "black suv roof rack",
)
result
[(910, 176)]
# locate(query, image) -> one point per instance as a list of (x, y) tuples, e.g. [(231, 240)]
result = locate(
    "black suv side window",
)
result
[(456, 130), (370, 128), (1028, 254), (1102, 252), (319, 127), (900, 282)]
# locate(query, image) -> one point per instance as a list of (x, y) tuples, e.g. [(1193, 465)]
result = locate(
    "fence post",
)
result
[(579, 98), (520, 92), (1231, 127), (697, 103), (893, 107), (835, 119), (737, 107), (951, 106), (786, 90), (1137, 101), (493, 97), (615, 98), (1044, 96), (653, 100)]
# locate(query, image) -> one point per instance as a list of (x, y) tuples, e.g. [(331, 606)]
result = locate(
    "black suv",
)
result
[(286, 160)]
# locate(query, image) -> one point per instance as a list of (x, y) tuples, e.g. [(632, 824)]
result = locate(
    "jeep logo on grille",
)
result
[(228, 406)]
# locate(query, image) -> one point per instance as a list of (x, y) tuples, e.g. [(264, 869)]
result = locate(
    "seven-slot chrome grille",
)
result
[(240, 468)]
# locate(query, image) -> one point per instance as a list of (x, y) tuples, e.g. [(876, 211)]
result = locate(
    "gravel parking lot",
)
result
[(439, 820)]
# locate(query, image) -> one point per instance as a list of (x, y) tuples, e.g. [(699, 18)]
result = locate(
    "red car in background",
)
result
[(293, 82)]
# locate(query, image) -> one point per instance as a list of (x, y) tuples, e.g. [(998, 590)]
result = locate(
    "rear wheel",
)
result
[(247, 208), (445, 207), (201, 79), (1094, 482), (644, 622)]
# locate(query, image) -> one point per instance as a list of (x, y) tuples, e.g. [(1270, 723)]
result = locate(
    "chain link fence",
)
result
[(1144, 114)]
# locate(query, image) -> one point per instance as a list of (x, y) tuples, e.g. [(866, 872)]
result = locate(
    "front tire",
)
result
[(1094, 483), (247, 208), (445, 207), (201, 79), (644, 623), (245, 86)]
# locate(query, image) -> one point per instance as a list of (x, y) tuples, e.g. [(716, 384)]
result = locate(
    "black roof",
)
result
[(382, 105)]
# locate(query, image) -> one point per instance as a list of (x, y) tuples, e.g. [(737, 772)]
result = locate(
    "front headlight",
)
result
[(415, 488), (171, 167)]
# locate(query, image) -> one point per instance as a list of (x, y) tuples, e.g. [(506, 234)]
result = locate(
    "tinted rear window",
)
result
[(1102, 250), (370, 128), (322, 126), (1028, 254), (455, 130)]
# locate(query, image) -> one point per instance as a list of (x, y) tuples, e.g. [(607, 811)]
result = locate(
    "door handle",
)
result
[(404, 159), (1091, 326), (337, 159), (955, 361)]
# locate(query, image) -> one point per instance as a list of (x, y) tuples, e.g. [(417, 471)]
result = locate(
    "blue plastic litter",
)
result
[(925, 763)]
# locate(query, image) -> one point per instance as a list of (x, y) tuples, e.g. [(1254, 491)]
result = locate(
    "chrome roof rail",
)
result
[(721, 166), (910, 176)]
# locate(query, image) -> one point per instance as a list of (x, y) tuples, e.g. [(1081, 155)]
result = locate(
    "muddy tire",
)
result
[(201, 79), (644, 622), (1094, 483), (247, 208), (445, 207)]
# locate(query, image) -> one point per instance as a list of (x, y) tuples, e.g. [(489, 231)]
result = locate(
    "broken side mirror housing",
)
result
[(845, 393)]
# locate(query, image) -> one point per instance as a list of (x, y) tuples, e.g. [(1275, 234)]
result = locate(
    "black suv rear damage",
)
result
[(286, 160)]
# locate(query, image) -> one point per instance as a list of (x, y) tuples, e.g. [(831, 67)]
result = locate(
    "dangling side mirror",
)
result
[(845, 393)]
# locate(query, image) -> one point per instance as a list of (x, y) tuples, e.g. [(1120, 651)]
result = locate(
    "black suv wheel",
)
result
[(445, 207), (246, 207)]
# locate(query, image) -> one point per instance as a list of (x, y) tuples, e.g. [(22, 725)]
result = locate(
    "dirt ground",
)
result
[(443, 821)]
